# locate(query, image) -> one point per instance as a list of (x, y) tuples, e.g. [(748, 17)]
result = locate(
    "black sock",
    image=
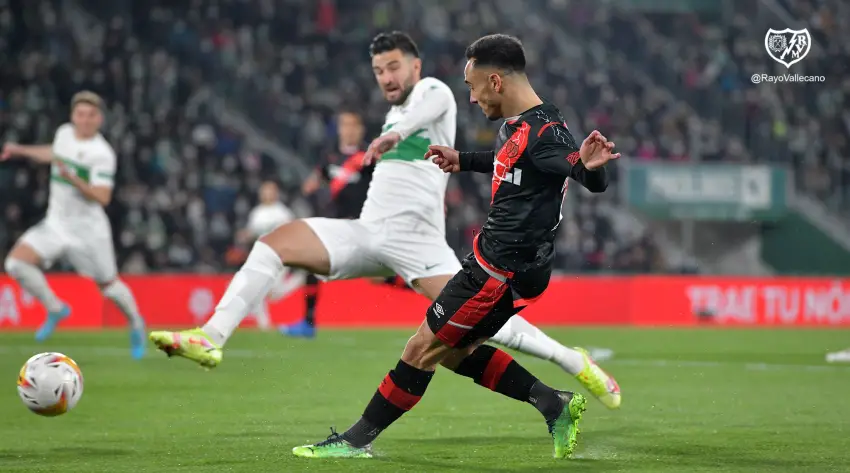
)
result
[(496, 370), (311, 295), (400, 390), (397, 282)]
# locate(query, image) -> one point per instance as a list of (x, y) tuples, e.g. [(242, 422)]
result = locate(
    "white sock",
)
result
[(249, 286), (520, 335), (122, 296), (32, 279), (261, 315), (286, 285)]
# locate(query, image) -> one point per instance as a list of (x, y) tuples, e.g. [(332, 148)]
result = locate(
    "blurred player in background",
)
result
[(347, 180), (401, 228), (269, 214), (76, 226)]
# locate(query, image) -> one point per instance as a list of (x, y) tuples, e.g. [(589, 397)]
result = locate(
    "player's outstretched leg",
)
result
[(294, 245), (405, 385), (470, 308), (497, 371), (22, 264), (261, 315), (306, 328), (520, 335), (120, 294)]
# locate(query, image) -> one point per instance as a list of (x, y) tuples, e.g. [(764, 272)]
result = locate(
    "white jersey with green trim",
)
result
[(93, 161), (404, 183)]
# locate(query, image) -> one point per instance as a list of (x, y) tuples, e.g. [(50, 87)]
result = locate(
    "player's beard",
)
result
[(406, 90)]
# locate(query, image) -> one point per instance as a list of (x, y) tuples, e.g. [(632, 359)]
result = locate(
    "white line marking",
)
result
[(750, 366), (27, 350)]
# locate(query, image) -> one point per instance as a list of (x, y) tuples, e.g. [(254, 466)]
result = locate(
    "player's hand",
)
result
[(379, 146), (448, 159), (9, 150), (596, 151), (63, 170)]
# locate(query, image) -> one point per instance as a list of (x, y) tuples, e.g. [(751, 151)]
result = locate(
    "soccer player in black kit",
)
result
[(512, 259), (347, 181)]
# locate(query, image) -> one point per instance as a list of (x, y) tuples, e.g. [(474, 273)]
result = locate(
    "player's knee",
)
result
[(13, 266), (282, 239), (107, 286), (292, 244)]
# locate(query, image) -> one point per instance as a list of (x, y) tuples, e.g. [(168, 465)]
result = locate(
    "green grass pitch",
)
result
[(693, 400)]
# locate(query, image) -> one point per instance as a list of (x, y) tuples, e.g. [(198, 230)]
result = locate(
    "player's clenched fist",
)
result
[(448, 159)]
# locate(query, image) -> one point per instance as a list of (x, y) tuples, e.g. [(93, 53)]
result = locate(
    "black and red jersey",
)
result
[(535, 156), (348, 181)]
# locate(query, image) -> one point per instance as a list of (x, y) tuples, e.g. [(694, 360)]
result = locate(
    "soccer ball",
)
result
[(50, 384)]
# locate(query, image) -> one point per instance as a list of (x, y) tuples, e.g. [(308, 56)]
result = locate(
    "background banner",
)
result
[(188, 300)]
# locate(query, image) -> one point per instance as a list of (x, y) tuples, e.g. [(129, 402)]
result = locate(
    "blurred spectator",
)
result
[(671, 86)]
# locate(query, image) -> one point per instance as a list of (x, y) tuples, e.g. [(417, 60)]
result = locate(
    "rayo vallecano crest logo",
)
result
[(787, 46)]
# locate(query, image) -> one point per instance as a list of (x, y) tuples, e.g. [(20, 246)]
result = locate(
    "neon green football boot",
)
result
[(334, 447), (564, 429), (602, 385), (192, 344)]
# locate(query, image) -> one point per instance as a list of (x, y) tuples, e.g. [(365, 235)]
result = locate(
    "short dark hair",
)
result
[(498, 50), (349, 111), (386, 42)]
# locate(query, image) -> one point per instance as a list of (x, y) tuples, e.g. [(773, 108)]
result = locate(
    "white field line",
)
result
[(110, 351)]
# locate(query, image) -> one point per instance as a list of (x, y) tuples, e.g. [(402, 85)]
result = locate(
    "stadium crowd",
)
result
[(186, 183), (709, 63)]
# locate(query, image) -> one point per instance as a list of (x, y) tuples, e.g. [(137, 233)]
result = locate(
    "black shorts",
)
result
[(480, 299)]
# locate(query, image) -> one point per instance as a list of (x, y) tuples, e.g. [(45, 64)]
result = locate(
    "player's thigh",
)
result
[(41, 245), (424, 260), (94, 258), (469, 306), (345, 248)]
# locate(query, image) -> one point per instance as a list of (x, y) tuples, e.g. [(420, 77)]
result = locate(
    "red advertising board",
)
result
[(188, 300)]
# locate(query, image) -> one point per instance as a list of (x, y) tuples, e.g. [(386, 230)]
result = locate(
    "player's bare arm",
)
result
[(100, 194), (41, 154)]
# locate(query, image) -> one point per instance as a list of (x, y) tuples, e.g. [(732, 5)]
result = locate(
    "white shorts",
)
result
[(402, 246), (91, 255)]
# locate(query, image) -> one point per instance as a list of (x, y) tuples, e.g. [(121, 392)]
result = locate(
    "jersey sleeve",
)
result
[(103, 169), (425, 107), (555, 151), (477, 161)]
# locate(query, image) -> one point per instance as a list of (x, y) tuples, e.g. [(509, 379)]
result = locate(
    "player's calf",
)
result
[(399, 391), (24, 269)]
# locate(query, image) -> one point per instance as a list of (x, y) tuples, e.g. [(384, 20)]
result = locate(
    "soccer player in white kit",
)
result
[(401, 229), (76, 226), (269, 214)]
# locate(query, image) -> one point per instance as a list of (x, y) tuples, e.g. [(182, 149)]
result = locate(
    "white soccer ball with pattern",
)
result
[(50, 384)]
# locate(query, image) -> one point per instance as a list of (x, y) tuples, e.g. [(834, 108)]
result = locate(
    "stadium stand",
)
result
[(186, 182)]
